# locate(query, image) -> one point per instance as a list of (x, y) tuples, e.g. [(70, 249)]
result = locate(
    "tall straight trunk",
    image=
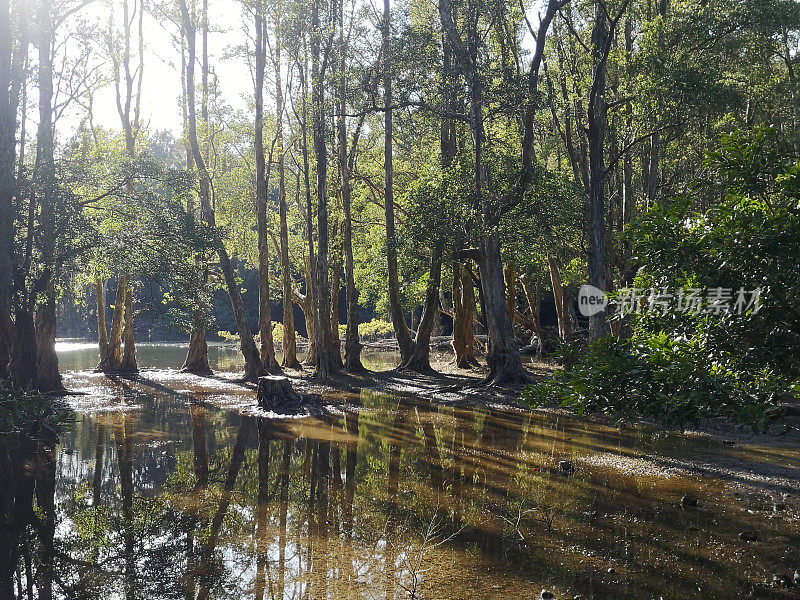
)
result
[(352, 345), (327, 363), (128, 107), (401, 331), (312, 324), (336, 288), (102, 325), (562, 309), (262, 180), (253, 366), (48, 378), (510, 277), (597, 120), (306, 304), (128, 364), (8, 184), (463, 316), (289, 335), (197, 354)]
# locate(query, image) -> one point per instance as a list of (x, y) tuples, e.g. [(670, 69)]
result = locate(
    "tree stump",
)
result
[(275, 392)]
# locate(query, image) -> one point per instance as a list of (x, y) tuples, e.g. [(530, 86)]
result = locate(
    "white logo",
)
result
[(591, 300)]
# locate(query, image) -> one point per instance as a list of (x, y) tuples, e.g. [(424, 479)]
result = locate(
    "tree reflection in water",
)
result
[(399, 499)]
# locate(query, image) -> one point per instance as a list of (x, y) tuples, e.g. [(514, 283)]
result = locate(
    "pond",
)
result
[(162, 490)]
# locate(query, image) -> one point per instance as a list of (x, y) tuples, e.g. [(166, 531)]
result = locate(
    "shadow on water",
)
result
[(155, 493)]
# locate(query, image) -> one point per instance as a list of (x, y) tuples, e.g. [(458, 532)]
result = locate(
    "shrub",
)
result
[(32, 415)]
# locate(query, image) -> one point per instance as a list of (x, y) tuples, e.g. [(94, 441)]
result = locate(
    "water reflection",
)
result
[(178, 499)]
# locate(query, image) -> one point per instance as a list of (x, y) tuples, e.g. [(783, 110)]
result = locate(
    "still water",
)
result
[(158, 492)]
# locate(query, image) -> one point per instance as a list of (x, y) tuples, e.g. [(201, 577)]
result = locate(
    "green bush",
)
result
[(679, 367), (376, 329), (32, 415), (673, 381)]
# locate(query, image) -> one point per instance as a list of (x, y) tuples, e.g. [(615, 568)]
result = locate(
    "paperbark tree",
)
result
[(48, 377), (597, 118), (19, 354), (352, 345), (289, 334), (328, 357), (197, 354), (401, 330), (253, 366), (503, 358), (268, 359)]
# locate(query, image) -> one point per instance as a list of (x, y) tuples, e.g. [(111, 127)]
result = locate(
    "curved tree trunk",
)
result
[(420, 360), (197, 354)]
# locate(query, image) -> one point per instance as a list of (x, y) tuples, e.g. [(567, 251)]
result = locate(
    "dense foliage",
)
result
[(680, 366)]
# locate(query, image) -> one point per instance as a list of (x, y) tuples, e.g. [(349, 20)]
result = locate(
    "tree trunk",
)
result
[(102, 326), (23, 361), (336, 271), (352, 345), (401, 330), (268, 359), (197, 356), (463, 315), (8, 185), (503, 358), (113, 357), (327, 364), (597, 117), (533, 298), (253, 366), (196, 361), (510, 277), (562, 310), (420, 358), (289, 336), (128, 364), (48, 379)]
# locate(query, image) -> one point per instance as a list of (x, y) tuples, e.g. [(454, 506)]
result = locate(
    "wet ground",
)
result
[(174, 486)]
